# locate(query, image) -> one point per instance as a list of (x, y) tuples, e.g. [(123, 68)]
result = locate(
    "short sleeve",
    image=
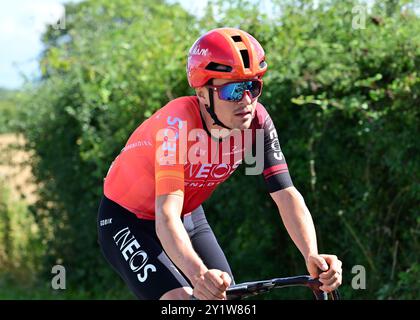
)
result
[(169, 167), (276, 172)]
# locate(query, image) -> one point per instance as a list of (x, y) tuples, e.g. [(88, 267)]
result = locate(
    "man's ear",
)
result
[(202, 95)]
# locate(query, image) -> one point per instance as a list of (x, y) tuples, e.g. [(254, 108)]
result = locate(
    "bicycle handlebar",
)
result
[(247, 289)]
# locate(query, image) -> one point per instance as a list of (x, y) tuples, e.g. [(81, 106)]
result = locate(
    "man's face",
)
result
[(235, 115)]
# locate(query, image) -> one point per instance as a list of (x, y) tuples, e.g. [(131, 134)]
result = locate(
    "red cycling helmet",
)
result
[(225, 53)]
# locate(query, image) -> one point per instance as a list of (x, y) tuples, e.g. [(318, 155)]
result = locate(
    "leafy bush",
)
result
[(8, 110), (344, 101), (20, 245)]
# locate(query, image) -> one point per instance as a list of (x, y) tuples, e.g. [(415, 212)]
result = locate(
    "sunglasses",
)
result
[(234, 91)]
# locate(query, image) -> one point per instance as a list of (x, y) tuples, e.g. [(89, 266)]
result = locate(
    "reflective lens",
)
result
[(234, 91)]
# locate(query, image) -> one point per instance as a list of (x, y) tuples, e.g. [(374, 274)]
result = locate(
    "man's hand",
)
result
[(327, 268), (212, 285)]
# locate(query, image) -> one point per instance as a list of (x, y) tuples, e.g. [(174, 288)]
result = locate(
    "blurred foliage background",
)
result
[(343, 89)]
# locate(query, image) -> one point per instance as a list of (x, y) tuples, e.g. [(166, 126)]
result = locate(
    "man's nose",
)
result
[(246, 99)]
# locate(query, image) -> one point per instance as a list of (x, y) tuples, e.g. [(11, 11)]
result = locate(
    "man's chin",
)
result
[(243, 125)]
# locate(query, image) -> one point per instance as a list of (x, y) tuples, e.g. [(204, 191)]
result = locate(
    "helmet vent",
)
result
[(218, 67), (245, 58), (263, 64), (237, 38)]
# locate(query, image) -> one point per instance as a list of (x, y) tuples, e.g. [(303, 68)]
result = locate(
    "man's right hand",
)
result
[(212, 285)]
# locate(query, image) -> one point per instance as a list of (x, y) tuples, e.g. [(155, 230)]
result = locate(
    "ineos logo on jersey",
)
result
[(174, 121), (171, 133), (171, 136), (137, 260), (221, 171), (275, 144), (210, 171)]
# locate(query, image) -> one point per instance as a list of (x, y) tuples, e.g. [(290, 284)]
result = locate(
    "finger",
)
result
[(313, 268), (330, 273), (211, 291), (216, 291), (335, 267), (216, 279), (329, 281), (313, 271), (332, 287), (332, 260), (320, 263), (227, 280)]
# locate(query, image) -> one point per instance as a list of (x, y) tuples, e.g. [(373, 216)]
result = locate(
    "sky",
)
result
[(22, 23)]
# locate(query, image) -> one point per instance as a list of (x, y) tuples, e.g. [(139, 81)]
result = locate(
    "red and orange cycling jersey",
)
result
[(173, 150)]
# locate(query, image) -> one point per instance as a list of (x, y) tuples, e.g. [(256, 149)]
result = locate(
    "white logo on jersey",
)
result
[(210, 171), (275, 144)]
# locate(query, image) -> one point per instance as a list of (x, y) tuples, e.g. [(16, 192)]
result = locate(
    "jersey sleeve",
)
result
[(276, 173), (169, 166)]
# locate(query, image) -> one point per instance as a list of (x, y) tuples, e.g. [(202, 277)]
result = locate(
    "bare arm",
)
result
[(208, 284), (297, 220), (174, 237)]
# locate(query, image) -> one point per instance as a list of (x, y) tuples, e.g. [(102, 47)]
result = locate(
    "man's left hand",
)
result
[(327, 268)]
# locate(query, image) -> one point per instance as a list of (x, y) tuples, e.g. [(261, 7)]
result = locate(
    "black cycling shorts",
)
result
[(133, 249)]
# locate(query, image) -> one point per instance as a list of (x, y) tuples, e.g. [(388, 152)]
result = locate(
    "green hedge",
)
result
[(345, 103)]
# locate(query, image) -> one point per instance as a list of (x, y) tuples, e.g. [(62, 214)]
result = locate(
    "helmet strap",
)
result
[(210, 110)]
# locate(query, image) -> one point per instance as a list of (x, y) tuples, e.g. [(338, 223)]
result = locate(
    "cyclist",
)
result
[(151, 225)]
